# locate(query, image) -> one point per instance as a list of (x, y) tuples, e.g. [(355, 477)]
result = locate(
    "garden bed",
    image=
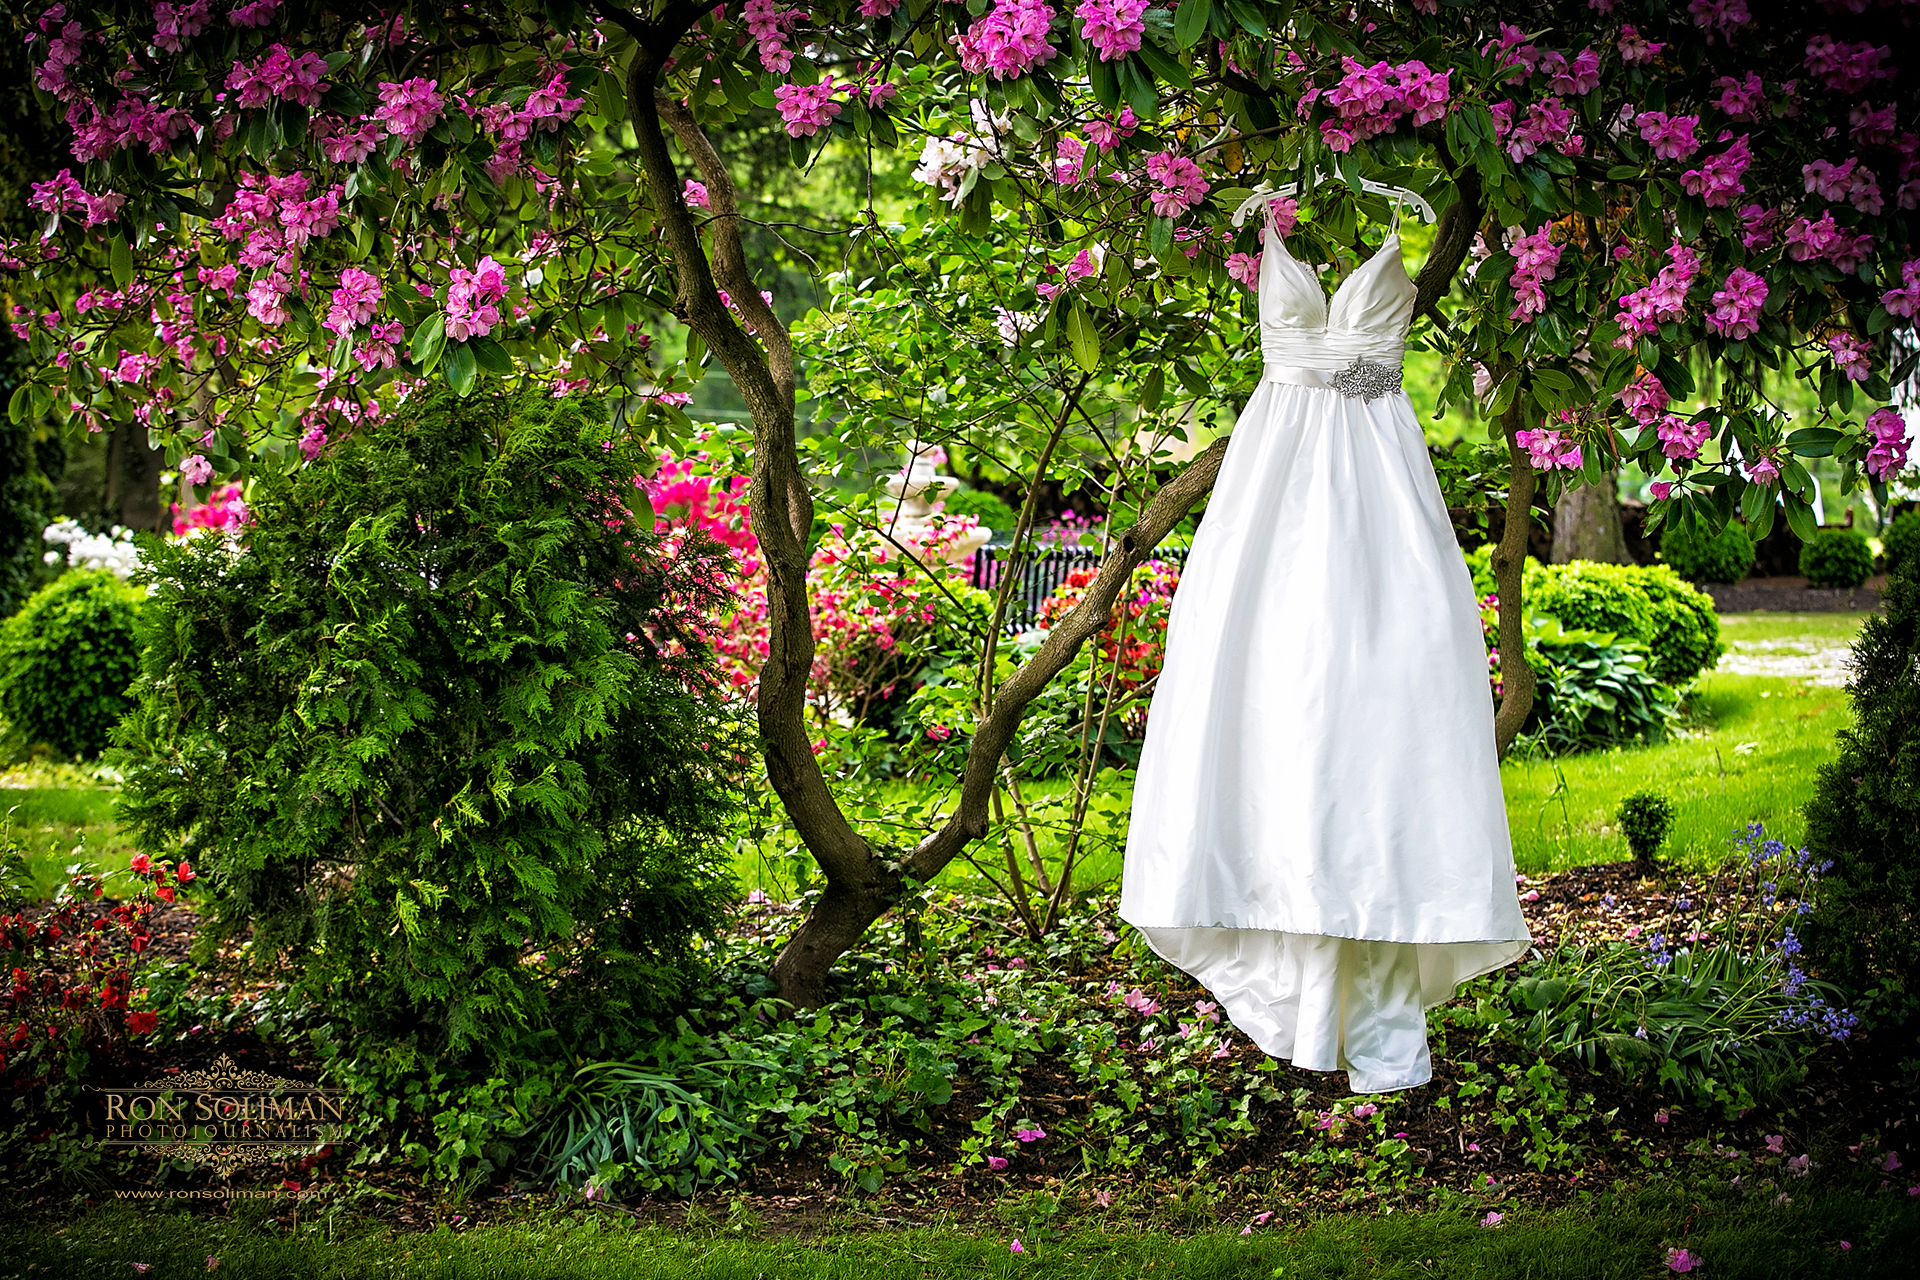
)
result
[(1793, 595)]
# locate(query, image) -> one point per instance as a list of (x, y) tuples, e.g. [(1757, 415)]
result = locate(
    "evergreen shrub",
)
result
[(1836, 558), (1865, 811), (1725, 557), (1645, 818), (1649, 605), (439, 729), (1901, 546), (67, 659)]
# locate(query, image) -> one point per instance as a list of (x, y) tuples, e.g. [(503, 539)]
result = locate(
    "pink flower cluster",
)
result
[(471, 296), (546, 108), (1757, 225), (1848, 67), (1718, 179), (274, 214), (1645, 398), (1871, 127), (1851, 355), (1663, 299), (1850, 181), (1245, 268), (1721, 17), (378, 351), (1736, 305), (1904, 301), (1547, 122), (1636, 48), (223, 509), (1069, 158), (63, 193), (195, 469), (354, 302), (1106, 134), (1535, 259), (65, 41), (175, 24), (1178, 185), (695, 194), (1808, 240), (1889, 452), (1112, 26), (770, 25), (1008, 42), (411, 108), (130, 120), (1549, 450), (1682, 439), (806, 108), (1670, 136), (1371, 100), (342, 143), (279, 74), (254, 13), (1741, 99)]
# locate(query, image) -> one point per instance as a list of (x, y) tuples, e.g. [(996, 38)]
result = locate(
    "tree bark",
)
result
[(1586, 524), (1509, 569)]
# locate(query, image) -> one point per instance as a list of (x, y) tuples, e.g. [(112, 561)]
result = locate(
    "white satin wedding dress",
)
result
[(1318, 833)]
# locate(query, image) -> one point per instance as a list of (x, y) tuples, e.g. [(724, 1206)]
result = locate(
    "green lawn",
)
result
[(1615, 1234), (1746, 752), (57, 826)]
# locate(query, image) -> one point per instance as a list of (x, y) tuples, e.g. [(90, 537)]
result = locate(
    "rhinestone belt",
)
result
[(1367, 379)]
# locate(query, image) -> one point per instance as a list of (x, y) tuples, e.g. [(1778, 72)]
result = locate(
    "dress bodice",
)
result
[(1367, 319)]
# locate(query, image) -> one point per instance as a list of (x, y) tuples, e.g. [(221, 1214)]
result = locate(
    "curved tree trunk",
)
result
[(1509, 569)]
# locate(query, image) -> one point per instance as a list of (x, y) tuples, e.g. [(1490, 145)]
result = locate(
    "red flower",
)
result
[(142, 1022), (165, 891), (185, 873), (141, 864)]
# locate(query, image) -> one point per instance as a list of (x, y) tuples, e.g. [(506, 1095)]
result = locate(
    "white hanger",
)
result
[(1263, 193)]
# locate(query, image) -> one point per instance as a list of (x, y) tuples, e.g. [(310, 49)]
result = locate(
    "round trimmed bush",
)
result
[(1836, 558), (1901, 546), (991, 508), (1646, 604), (1725, 557), (66, 660)]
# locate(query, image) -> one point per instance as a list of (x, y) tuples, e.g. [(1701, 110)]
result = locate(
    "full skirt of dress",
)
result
[(1318, 833)]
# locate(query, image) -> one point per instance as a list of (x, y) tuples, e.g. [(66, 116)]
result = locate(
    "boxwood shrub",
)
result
[(1836, 558), (1725, 557), (66, 660)]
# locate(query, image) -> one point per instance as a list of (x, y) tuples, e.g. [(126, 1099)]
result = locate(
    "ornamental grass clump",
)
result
[(439, 730), (1715, 1003)]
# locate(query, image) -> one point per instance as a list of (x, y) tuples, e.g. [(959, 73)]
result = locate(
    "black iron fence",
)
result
[(1038, 576)]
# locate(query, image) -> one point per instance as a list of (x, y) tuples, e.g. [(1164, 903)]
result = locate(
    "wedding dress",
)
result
[(1318, 832)]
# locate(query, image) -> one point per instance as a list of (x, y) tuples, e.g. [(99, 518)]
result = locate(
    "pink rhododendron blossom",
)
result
[(254, 13), (1635, 48), (878, 8), (1670, 136), (344, 145), (195, 469), (175, 24), (770, 26), (313, 440), (1578, 78), (410, 109), (1106, 134), (1645, 398), (1286, 214), (1889, 452), (1719, 17), (1661, 489), (222, 278), (267, 299), (1245, 268), (1736, 305), (1741, 99), (355, 301), (1682, 1259), (1178, 185), (1140, 1003), (471, 298), (1009, 41), (1762, 470), (1663, 299), (278, 74), (1718, 179), (1548, 450), (223, 509), (1847, 67), (695, 194), (1905, 300), (1757, 224), (1112, 27), (1851, 356), (1069, 157), (806, 108), (1372, 99), (1535, 259), (1870, 126), (1681, 438)]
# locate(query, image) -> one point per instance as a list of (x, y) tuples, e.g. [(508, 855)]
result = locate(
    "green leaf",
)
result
[(491, 355), (461, 368), (1800, 517), (1164, 65), (121, 258), (429, 339), (1150, 392), (1083, 336), (20, 403), (1813, 442), (1105, 80), (1190, 22), (1160, 235), (610, 98)]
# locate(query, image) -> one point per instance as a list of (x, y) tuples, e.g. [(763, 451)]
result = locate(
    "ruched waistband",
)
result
[(1330, 349)]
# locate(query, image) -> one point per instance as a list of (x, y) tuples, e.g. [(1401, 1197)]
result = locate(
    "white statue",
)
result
[(914, 489)]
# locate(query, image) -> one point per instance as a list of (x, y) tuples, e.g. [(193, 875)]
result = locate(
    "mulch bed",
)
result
[(1853, 1090), (1793, 595)]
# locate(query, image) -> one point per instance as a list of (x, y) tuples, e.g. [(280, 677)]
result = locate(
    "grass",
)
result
[(1623, 1233), (1747, 752), (58, 826)]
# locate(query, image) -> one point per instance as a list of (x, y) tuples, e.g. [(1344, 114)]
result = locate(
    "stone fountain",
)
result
[(914, 489)]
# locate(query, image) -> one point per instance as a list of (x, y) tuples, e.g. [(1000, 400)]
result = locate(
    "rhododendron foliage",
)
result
[(533, 191)]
